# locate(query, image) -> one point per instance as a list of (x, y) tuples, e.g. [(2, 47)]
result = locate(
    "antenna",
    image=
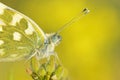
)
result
[(79, 16)]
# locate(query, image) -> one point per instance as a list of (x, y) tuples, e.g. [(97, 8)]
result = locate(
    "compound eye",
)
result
[(59, 37)]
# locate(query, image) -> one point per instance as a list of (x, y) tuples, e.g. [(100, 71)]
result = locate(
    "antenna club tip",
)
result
[(86, 11)]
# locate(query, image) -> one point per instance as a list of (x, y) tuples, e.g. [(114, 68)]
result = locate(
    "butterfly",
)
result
[(21, 38)]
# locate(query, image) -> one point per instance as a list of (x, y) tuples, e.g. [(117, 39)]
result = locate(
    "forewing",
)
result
[(19, 35)]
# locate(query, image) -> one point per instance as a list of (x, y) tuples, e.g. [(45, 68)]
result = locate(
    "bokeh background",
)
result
[(90, 48)]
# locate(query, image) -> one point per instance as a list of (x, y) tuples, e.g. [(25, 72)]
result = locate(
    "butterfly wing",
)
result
[(19, 35)]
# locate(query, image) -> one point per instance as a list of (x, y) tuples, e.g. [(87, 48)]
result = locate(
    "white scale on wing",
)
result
[(2, 7), (16, 18), (16, 36), (29, 30), (1, 42)]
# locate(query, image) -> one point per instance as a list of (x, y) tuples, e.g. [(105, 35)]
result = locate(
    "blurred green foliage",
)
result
[(90, 48)]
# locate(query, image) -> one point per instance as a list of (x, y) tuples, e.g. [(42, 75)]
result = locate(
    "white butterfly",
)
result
[(21, 38)]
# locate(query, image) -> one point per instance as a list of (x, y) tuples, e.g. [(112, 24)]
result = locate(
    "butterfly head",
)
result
[(54, 38)]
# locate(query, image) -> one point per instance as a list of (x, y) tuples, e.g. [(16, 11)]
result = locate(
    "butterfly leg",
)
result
[(32, 55), (55, 56)]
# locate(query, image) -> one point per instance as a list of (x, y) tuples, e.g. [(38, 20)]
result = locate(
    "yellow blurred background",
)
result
[(90, 48)]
